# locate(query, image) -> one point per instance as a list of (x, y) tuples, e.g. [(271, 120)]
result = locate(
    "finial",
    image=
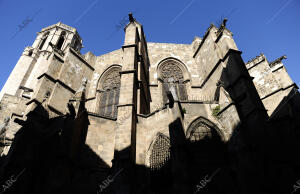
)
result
[(131, 19), (224, 22)]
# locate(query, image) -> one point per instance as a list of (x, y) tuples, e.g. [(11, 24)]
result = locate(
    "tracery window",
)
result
[(201, 129), (160, 153), (200, 132), (109, 94), (206, 149), (160, 165), (172, 80)]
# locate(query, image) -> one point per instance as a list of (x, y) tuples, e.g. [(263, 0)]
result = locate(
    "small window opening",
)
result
[(43, 40), (30, 53), (61, 40)]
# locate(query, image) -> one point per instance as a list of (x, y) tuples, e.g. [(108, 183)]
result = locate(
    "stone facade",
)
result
[(158, 106)]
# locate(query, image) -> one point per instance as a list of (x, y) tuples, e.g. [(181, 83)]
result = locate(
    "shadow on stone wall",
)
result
[(49, 155)]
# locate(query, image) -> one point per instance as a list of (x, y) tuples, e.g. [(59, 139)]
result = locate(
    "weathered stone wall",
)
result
[(217, 82), (11, 107), (75, 68), (203, 63), (61, 79), (101, 137), (271, 81), (101, 64), (146, 135), (39, 68), (264, 79), (17, 75)]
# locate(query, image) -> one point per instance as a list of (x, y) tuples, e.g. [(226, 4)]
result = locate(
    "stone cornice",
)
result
[(129, 45), (225, 108), (128, 71), (57, 81), (152, 113), (61, 25), (101, 116), (278, 90)]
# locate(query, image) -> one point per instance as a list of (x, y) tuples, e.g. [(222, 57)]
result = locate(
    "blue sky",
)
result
[(271, 27)]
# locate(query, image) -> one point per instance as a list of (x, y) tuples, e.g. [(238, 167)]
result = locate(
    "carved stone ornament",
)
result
[(112, 80), (171, 70)]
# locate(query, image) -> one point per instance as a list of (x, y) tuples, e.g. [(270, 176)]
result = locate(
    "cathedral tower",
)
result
[(29, 67)]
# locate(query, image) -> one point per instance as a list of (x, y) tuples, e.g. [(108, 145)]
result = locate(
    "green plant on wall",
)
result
[(215, 111), (183, 110)]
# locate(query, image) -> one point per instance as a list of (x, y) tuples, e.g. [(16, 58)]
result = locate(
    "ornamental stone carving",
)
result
[(112, 80), (171, 70)]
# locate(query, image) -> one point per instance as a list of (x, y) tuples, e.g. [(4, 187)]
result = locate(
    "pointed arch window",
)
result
[(61, 40), (202, 129), (160, 153), (172, 79), (160, 165), (205, 147), (43, 40), (109, 93)]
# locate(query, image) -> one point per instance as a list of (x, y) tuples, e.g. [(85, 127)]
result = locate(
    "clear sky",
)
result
[(271, 27)]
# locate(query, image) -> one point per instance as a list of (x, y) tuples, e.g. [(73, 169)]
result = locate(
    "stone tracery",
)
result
[(172, 78), (110, 92), (201, 129), (171, 70), (112, 80), (160, 153)]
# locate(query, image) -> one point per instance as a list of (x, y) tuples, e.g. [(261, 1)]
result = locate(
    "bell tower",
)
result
[(59, 35), (34, 58)]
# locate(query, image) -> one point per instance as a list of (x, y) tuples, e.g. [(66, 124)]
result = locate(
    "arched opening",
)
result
[(206, 153), (109, 93), (43, 40), (30, 53), (61, 40), (76, 44), (172, 78), (160, 165)]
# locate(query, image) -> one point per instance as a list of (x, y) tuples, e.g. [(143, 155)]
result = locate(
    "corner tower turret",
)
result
[(33, 59)]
